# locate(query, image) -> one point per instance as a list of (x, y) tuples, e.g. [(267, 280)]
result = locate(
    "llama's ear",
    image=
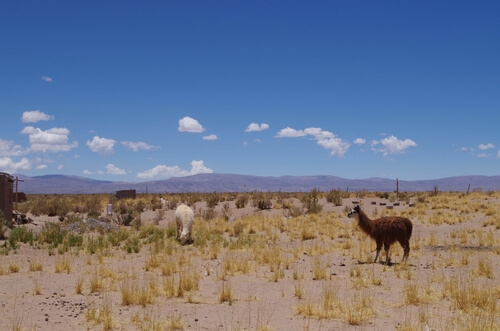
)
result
[(356, 208)]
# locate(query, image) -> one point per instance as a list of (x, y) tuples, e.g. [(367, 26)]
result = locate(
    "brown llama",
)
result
[(385, 230)]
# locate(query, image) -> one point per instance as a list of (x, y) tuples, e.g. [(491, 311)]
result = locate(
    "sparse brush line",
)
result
[(385, 230)]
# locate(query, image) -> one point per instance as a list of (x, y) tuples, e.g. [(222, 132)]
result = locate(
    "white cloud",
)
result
[(197, 167), (10, 166), (136, 146), (498, 154), (188, 124), (252, 127), (319, 134), (336, 146), (326, 139), (7, 148), (210, 137), (360, 141), (41, 166), (484, 147), (52, 140), (288, 132), (163, 171), (60, 167), (111, 169), (87, 172), (101, 146), (46, 79), (33, 116), (393, 145)]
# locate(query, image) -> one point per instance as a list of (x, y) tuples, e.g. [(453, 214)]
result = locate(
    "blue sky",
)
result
[(147, 90)]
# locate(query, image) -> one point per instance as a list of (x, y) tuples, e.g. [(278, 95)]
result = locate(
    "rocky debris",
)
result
[(459, 247), (92, 224), (19, 218), (55, 305)]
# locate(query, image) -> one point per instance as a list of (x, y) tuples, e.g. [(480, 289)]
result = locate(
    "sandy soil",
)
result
[(437, 255)]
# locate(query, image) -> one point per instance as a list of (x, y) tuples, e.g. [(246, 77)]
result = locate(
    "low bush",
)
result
[(20, 234), (335, 197), (261, 201), (52, 234), (311, 202), (212, 200), (241, 201)]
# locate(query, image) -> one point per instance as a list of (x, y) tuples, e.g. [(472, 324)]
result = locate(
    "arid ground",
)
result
[(252, 269)]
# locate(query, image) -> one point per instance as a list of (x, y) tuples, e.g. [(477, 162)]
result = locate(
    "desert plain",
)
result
[(286, 266)]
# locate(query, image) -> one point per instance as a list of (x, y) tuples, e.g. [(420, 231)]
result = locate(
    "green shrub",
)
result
[(208, 214), (201, 237), (116, 237), (94, 205), (241, 201), (52, 234), (20, 234), (99, 244), (140, 205), (132, 245), (261, 200), (383, 195), (171, 231), (293, 211), (212, 200), (311, 202), (126, 218), (70, 240), (225, 212), (172, 203), (335, 197), (151, 234), (362, 193)]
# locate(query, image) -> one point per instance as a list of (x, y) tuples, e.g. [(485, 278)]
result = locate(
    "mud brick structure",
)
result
[(6, 202), (125, 194)]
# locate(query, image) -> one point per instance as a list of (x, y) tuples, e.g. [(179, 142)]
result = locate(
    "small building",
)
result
[(6, 187), (19, 197), (125, 194)]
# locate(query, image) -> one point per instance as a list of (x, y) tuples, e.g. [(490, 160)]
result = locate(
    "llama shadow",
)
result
[(390, 264), (402, 263), (187, 243)]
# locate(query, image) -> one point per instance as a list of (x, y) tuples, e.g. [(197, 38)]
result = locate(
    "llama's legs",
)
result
[(379, 247), (178, 232), (387, 259), (406, 247)]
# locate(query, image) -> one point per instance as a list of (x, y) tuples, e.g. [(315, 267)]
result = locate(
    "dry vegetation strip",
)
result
[(297, 249)]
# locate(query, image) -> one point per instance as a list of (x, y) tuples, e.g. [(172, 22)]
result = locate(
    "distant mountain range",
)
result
[(62, 184)]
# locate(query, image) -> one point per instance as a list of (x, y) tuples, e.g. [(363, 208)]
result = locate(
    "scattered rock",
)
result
[(91, 224)]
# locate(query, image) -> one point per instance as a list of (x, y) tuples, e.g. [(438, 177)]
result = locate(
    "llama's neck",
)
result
[(364, 222)]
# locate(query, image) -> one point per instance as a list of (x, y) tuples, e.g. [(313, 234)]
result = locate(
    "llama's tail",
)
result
[(409, 228)]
